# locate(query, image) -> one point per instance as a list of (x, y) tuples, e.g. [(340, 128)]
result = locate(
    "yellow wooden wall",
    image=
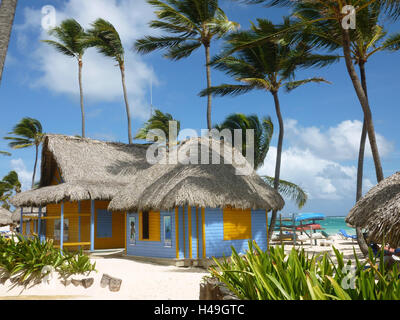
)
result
[(237, 224), (72, 208)]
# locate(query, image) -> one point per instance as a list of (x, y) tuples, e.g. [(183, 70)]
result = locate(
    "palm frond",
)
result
[(150, 43), (289, 190), (295, 84), (226, 89), (182, 50)]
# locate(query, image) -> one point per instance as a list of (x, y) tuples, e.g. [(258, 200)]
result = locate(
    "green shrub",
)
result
[(27, 257), (274, 275)]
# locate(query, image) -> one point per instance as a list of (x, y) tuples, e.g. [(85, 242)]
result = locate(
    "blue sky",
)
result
[(323, 122)]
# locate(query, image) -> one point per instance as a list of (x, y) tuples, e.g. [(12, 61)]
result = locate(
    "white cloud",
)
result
[(320, 178), (336, 143), (101, 78), (312, 158), (24, 175)]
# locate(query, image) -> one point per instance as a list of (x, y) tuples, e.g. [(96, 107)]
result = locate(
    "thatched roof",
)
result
[(90, 169), (5, 217), (379, 212), (165, 186)]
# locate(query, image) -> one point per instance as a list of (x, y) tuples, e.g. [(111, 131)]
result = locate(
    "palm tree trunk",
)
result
[(81, 96), (128, 112), (7, 14), (34, 167), (278, 160), (360, 237), (364, 104), (208, 68)]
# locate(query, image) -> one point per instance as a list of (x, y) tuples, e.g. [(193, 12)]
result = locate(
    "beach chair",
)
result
[(346, 236)]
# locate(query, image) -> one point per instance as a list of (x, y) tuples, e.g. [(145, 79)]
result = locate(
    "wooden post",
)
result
[(39, 222), (21, 222), (62, 226), (92, 225)]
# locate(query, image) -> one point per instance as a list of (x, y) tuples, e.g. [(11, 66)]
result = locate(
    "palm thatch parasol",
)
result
[(379, 212), (165, 186), (5, 217)]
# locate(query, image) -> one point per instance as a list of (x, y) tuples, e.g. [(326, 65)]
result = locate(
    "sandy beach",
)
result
[(140, 280)]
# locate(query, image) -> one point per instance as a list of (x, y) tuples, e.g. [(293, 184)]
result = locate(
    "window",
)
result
[(104, 224), (237, 224), (145, 223), (167, 231), (149, 226), (132, 230), (57, 229)]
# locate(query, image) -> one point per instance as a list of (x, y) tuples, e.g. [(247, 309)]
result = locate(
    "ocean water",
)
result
[(332, 225)]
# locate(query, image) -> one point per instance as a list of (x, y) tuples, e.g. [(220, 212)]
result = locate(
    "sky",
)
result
[(322, 121)]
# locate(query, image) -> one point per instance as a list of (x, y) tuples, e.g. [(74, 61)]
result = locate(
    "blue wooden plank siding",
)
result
[(186, 226), (194, 233), (182, 244), (200, 232), (216, 245), (156, 249), (104, 224)]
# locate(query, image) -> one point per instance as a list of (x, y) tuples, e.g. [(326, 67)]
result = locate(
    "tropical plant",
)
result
[(27, 133), (105, 38), (367, 39), (7, 14), (263, 132), (25, 258), (71, 42), (274, 275), (190, 24), (158, 121), (267, 66), (5, 153), (9, 186)]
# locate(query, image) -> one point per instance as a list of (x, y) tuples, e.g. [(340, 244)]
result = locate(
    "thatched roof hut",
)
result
[(89, 169), (379, 212), (5, 217), (166, 186)]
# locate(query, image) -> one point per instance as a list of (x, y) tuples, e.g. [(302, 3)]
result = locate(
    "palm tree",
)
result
[(27, 133), (268, 66), (71, 42), (190, 24), (263, 132), (5, 153), (158, 121), (322, 11), (9, 185), (7, 14), (366, 40), (106, 39)]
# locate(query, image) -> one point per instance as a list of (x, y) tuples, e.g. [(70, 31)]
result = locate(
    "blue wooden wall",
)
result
[(155, 249), (214, 228), (214, 231)]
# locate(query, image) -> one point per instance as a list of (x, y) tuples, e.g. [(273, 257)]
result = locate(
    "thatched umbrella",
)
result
[(379, 212), (5, 217), (165, 186)]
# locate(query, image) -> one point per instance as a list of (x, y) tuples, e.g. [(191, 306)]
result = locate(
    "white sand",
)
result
[(143, 281), (139, 281)]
